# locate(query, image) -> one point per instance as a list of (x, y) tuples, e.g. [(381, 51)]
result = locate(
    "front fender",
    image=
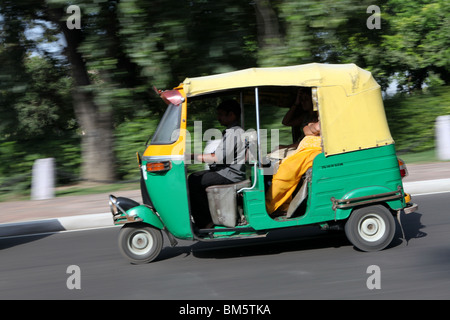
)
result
[(139, 213), (125, 210), (146, 215)]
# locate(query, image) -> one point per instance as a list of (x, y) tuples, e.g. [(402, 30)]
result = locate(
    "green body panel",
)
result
[(168, 192), (354, 174), (348, 175), (147, 216)]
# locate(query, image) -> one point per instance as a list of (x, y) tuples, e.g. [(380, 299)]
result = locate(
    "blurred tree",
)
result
[(94, 119), (418, 42), (271, 46), (12, 70), (306, 31), (123, 48), (44, 109), (172, 39), (412, 46), (412, 117), (37, 119)]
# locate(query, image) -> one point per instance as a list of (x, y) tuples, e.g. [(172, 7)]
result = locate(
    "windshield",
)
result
[(167, 131)]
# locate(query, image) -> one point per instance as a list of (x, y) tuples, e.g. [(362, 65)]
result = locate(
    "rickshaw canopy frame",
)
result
[(349, 100)]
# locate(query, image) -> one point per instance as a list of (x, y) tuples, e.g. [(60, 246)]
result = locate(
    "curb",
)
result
[(427, 186), (101, 220), (88, 221)]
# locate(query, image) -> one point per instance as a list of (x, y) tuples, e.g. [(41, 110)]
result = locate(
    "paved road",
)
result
[(91, 211), (314, 266)]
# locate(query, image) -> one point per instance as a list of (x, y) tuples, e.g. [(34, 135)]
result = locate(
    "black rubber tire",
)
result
[(370, 228), (140, 243)]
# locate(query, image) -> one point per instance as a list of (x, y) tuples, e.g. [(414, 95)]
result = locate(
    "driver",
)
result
[(227, 163)]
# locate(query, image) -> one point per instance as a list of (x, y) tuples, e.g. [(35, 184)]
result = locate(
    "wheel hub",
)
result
[(372, 228), (140, 243)]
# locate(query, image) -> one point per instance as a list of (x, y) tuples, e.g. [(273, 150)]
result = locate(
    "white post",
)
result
[(443, 137), (43, 179)]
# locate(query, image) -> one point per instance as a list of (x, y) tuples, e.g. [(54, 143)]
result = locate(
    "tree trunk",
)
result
[(272, 50), (97, 141), (267, 24)]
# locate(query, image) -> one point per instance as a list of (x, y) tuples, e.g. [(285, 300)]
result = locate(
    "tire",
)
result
[(370, 228), (140, 243)]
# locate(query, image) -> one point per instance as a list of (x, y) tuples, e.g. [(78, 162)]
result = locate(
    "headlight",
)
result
[(112, 204)]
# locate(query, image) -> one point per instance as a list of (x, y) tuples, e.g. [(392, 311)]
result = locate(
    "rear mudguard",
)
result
[(367, 196)]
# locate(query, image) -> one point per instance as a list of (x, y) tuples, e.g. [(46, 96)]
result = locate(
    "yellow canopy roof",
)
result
[(350, 105), (349, 76)]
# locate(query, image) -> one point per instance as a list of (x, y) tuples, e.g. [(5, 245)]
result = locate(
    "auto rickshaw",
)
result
[(355, 183)]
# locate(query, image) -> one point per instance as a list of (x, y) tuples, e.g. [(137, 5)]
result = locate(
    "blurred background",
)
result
[(83, 94)]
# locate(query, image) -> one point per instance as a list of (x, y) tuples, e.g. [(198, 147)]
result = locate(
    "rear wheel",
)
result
[(140, 243), (370, 228)]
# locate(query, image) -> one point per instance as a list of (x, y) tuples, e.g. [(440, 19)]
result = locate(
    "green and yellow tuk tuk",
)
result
[(355, 183)]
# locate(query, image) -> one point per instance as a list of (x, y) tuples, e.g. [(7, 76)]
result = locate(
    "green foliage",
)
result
[(39, 123), (17, 159), (315, 31), (130, 46), (46, 105), (417, 43), (412, 117), (169, 40), (130, 137)]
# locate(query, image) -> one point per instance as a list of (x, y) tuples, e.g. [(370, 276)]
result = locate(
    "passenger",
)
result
[(291, 170), (227, 164), (299, 115)]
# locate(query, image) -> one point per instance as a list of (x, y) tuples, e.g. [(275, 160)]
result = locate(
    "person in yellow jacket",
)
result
[(291, 170)]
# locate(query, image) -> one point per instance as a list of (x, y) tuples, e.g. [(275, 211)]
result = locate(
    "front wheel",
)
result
[(140, 243), (370, 228)]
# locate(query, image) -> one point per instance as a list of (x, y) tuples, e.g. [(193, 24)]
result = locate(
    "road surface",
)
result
[(311, 264)]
